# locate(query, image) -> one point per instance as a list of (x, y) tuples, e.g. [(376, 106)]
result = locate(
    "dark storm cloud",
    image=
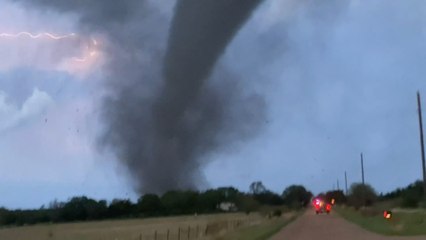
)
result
[(340, 78), (162, 117), (97, 13)]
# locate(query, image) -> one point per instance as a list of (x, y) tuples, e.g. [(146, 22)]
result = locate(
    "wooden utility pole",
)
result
[(422, 144), (362, 169), (346, 184)]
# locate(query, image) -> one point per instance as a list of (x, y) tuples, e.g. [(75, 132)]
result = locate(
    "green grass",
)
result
[(262, 231), (401, 224)]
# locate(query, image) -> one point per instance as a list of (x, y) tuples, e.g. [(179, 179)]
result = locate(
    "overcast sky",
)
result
[(338, 79)]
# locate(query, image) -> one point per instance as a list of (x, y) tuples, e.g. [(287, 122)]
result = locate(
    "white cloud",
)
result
[(11, 115)]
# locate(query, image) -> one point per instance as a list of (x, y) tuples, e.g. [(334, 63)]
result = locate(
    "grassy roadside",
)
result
[(131, 229), (402, 224), (262, 231)]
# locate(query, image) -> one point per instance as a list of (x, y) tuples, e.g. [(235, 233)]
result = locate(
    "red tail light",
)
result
[(387, 214)]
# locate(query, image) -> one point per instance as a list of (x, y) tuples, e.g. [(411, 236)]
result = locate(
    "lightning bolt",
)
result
[(91, 48), (39, 35)]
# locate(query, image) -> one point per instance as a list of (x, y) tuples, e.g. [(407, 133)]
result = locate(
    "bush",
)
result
[(370, 212), (409, 202), (422, 204), (247, 204), (411, 198), (361, 195), (277, 213)]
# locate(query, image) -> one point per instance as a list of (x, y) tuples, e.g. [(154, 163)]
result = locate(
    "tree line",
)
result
[(410, 196), (183, 202), (176, 202), (364, 195)]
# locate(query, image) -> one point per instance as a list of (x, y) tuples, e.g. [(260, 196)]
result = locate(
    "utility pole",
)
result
[(363, 181), (422, 144), (338, 187), (346, 184), (362, 169)]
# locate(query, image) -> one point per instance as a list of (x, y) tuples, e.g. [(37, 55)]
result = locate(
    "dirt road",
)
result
[(329, 227)]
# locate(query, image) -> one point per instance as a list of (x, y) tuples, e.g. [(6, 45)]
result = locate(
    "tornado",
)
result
[(199, 35), (163, 116)]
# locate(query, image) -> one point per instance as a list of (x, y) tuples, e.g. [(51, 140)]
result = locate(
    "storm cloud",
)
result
[(338, 78), (163, 112)]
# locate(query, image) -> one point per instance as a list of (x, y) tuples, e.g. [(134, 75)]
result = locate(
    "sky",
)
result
[(337, 78)]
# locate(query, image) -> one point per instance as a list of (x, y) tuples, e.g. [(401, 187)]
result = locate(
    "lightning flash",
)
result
[(91, 50), (39, 35)]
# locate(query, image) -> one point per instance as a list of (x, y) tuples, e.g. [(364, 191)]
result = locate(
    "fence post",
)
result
[(196, 232), (206, 231), (140, 236), (179, 234), (168, 234), (189, 231), (155, 235)]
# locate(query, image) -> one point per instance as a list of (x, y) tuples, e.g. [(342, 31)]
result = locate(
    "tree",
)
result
[(337, 195), (121, 208), (412, 195), (361, 195), (296, 196), (179, 202), (257, 188), (96, 209), (150, 205), (269, 198), (82, 208), (262, 195), (247, 204), (231, 194), (210, 199), (75, 209)]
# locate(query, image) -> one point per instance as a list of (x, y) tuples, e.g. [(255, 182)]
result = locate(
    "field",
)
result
[(172, 228), (408, 223), (265, 230)]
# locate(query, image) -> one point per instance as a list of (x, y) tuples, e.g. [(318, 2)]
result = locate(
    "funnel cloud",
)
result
[(167, 105), (187, 121)]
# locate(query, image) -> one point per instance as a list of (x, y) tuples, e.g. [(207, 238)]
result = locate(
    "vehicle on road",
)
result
[(321, 206)]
